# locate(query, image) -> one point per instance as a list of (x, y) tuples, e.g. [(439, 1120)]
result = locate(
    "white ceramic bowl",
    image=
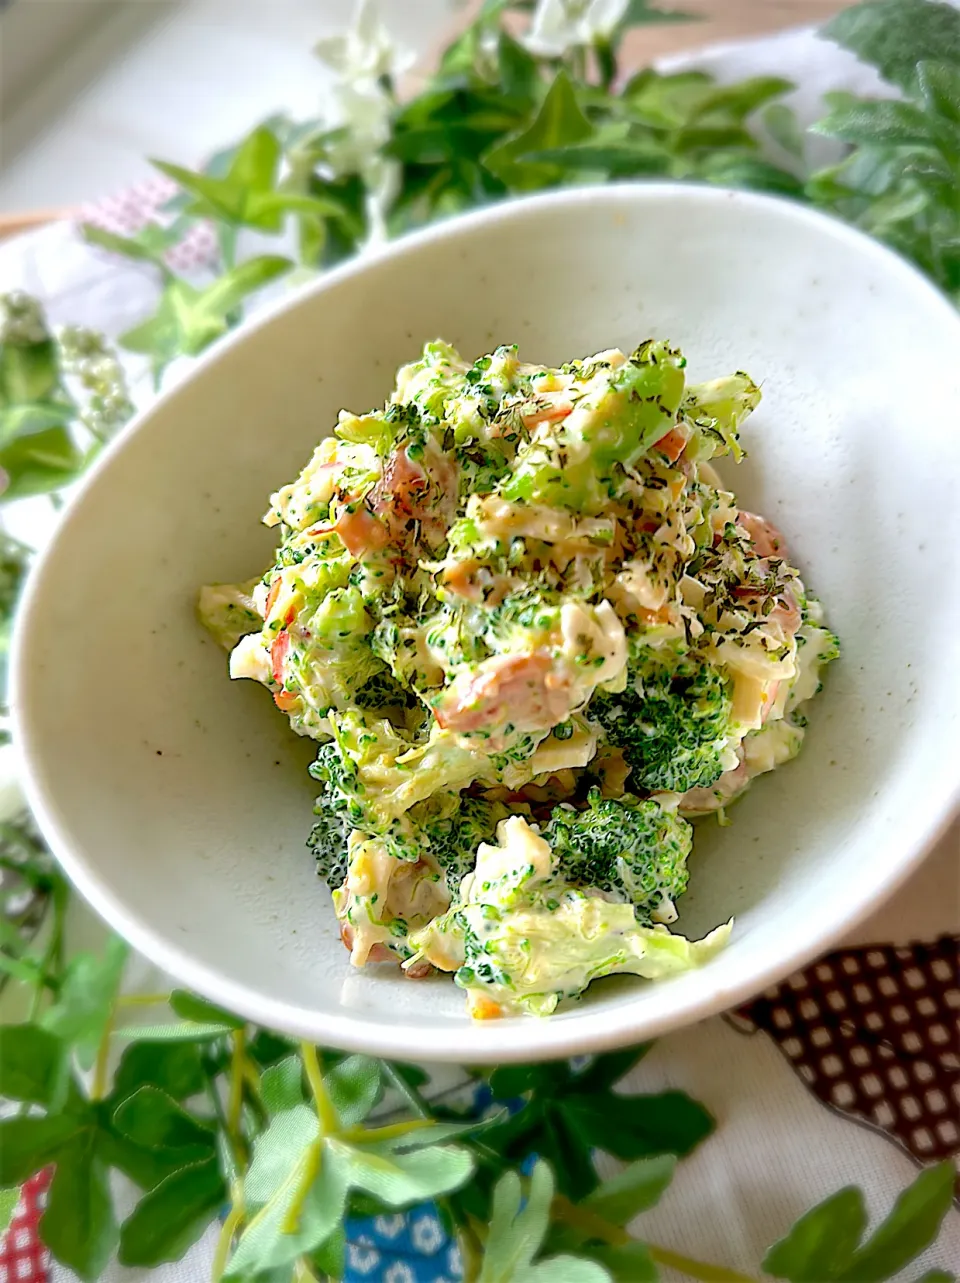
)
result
[(179, 802)]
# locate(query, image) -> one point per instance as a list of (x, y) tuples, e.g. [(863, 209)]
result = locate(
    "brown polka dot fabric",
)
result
[(874, 1033)]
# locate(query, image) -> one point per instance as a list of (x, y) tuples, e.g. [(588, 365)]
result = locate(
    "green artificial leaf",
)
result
[(178, 1031), (640, 13), (281, 1086), (601, 1073), (564, 1269), (631, 1263), (28, 419), (28, 371), (896, 35), (79, 1226), (632, 1191), (784, 128), (39, 463), (937, 1276), (154, 1120), (329, 1259), (28, 1144), (33, 1066), (559, 123), (880, 122), (913, 1224), (174, 1067), (624, 159), (825, 1244), (9, 1201), (940, 89), (631, 1127), (148, 245), (268, 1048), (401, 1179), (249, 193), (519, 70), (172, 1217), (753, 173), (517, 1230), (189, 1007), (187, 320), (821, 1244), (568, 1115), (278, 1150), (354, 1085), (734, 103), (86, 997), (300, 1218), (144, 1166)]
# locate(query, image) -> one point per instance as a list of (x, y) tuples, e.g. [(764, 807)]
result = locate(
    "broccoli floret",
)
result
[(453, 840), (382, 690), (637, 850), (338, 810), (671, 723)]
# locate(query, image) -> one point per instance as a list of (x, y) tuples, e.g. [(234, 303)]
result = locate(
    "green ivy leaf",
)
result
[(632, 1191), (248, 194), (631, 1263), (33, 1066), (559, 123), (306, 1210), (940, 89), (355, 1085), (86, 996), (39, 463), (784, 128), (401, 1179), (28, 371), (173, 1067), (9, 1201), (631, 1127), (751, 172), (142, 1165), (896, 35), (189, 1007), (913, 1224), (154, 1120), (30, 418), (517, 1232), (28, 1144), (281, 1086), (172, 1217), (824, 1246), (821, 1244), (79, 1226), (881, 122)]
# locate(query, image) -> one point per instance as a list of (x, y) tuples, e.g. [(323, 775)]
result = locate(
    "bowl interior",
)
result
[(179, 801)]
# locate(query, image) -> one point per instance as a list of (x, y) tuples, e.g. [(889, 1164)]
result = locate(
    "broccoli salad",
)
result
[(534, 636)]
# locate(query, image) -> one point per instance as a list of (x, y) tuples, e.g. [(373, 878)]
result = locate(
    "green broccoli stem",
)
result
[(595, 1227)]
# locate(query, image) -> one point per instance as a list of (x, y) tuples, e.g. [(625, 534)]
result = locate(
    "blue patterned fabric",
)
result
[(411, 1247)]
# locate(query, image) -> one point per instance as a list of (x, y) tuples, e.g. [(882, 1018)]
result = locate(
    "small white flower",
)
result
[(366, 51), (561, 25), (361, 108), (426, 1235)]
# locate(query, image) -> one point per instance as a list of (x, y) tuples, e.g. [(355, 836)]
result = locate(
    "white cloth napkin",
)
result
[(777, 1150)]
